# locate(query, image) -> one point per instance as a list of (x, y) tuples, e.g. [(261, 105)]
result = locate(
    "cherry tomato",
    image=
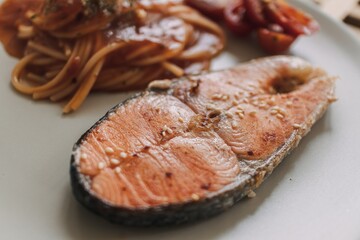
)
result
[(295, 22), (211, 8), (274, 42), (254, 12), (235, 18)]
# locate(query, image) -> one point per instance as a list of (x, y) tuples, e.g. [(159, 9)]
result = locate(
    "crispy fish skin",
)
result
[(254, 168)]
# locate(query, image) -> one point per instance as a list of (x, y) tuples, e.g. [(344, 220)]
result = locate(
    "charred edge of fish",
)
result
[(214, 204), (172, 214), (175, 214), (162, 215), (179, 213)]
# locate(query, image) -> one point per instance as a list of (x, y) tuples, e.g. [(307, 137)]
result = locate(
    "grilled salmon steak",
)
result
[(191, 148)]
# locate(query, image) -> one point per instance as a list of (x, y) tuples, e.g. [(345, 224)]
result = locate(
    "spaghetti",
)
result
[(68, 49)]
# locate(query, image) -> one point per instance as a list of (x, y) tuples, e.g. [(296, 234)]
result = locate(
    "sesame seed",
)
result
[(109, 150), (166, 129), (282, 111), (83, 156), (245, 100), (263, 105), (169, 130), (229, 115), (101, 165), (240, 114), (289, 103), (195, 197), (181, 120), (212, 107), (118, 169), (279, 112), (251, 194), (225, 97), (160, 84), (279, 115), (217, 96), (114, 161), (296, 126), (123, 155), (252, 113), (277, 108), (273, 111), (235, 103), (332, 99), (234, 124)]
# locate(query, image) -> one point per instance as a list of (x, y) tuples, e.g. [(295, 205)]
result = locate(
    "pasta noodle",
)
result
[(66, 51)]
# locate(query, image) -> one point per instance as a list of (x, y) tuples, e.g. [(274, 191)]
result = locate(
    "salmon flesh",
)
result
[(190, 148)]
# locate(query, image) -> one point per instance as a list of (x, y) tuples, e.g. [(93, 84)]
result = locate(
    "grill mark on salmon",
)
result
[(191, 148)]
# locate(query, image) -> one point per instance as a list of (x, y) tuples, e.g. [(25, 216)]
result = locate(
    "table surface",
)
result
[(343, 10)]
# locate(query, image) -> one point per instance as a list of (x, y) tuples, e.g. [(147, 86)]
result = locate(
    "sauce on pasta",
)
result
[(68, 49)]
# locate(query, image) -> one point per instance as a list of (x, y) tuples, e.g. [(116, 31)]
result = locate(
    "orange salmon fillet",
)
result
[(202, 142)]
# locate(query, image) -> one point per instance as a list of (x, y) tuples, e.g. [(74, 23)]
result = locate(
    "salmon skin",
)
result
[(190, 148)]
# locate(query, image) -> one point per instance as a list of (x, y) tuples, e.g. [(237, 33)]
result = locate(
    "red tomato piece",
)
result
[(211, 8), (274, 42), (294, 21), (235, 18), (254, 12)]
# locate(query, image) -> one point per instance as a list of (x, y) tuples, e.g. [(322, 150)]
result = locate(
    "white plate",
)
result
[(314, 193)]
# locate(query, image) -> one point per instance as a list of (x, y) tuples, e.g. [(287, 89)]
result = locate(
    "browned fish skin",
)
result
[(155, 160)]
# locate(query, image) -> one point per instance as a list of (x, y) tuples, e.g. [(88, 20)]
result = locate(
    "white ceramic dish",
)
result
[(314, 193)]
